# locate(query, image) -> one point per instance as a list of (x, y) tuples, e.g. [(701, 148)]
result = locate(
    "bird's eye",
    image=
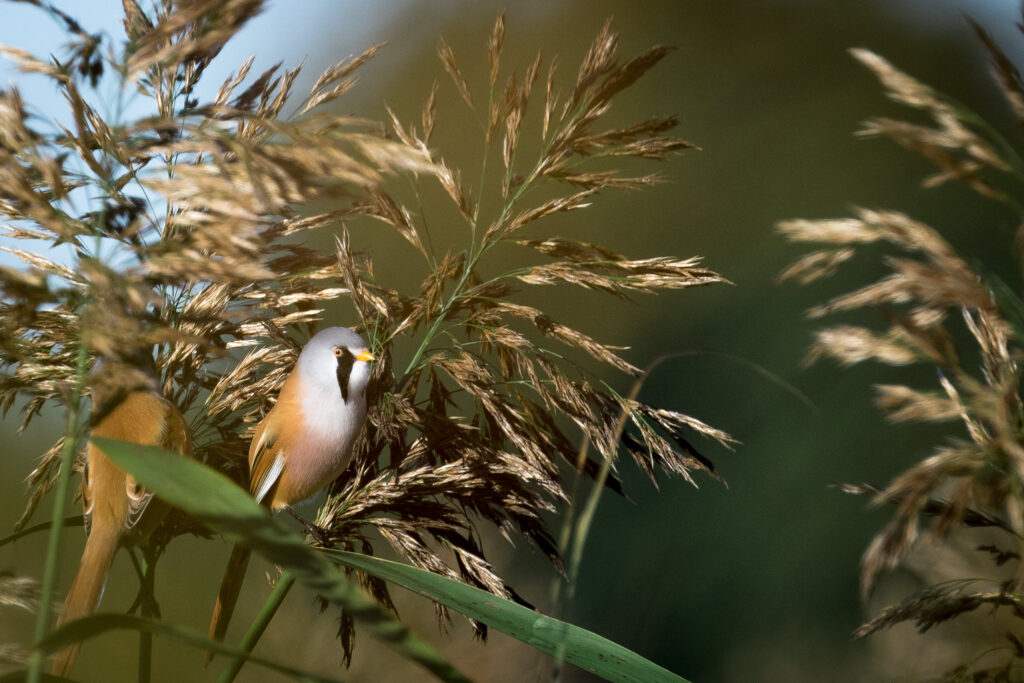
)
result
[(338, 351)]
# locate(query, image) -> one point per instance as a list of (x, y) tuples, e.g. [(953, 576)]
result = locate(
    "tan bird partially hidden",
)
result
[(118, 510), (304, 442)]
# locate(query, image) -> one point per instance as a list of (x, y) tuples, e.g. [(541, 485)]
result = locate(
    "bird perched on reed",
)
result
[(119, 512), (304, 442)]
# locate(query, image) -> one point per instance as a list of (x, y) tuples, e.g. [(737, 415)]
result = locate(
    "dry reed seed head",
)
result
[(935, 146), (501, 230), (597, 62), (18, 591), (816, 265), (382, 207), (992, 334), (494, 47), (41, 480), (901, 87), (873, 226), (938, 604), (959, 152), (433, 500), (849, 345), (947, 287), (189, 31), (450, 65), (887, 549), (947, 284), (135, 22), (429, 117), (13, 654), (620, 276), (565, 334), (1005, 72), (903, 404)]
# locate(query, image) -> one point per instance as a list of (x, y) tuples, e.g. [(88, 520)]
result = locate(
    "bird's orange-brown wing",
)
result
[(139, 417), (176, 437), (172, 434), (266, 458), (270, 444)]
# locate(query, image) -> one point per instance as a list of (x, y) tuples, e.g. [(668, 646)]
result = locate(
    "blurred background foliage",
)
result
[(757, 581)]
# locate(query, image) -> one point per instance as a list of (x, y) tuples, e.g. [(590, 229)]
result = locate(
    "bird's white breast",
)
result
[(330, 427), (332, 421)]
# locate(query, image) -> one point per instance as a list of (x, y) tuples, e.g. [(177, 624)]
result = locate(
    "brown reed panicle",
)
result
[(483, 421), (485, 418), (943, 311)]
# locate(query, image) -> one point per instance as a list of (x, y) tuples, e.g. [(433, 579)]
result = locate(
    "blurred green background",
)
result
[(757, 581)]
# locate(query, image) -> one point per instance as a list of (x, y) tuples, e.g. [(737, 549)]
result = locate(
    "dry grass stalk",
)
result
[(952, 144), (192, 253), (934, 301)]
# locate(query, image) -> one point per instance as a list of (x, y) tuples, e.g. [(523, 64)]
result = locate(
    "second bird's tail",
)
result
[(86, 590), (230, 587)]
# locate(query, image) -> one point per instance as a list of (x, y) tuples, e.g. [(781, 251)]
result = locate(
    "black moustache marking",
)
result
[(345, 362)]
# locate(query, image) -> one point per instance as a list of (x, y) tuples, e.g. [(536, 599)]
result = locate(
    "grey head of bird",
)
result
[(335, 360)]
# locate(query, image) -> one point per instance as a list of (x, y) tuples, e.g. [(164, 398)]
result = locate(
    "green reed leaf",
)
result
[(583, 648)]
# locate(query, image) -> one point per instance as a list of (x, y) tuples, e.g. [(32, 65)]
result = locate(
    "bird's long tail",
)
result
[(86, 590), (230, 587)]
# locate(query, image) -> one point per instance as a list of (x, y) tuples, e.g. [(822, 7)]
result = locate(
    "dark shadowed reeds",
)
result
[(949, 312), (184, 232)]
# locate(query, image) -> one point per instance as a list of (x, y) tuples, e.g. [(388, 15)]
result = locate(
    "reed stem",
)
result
[(62, 488)]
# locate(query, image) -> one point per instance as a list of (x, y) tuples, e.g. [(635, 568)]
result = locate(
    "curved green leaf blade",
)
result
[(216, 501), (96, 624), (583, 648)]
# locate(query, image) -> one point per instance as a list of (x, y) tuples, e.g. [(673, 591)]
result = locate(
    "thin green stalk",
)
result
[(586, 518), (484, 124), (76, 520), (258, 626), (578, 533), (67, 460), (429, 246), (473, 255), (145, 652), (565, 536)]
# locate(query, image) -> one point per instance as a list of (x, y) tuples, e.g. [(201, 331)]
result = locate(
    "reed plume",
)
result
[(944, 310)]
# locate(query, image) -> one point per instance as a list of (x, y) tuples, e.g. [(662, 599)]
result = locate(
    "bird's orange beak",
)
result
[(365, 355)]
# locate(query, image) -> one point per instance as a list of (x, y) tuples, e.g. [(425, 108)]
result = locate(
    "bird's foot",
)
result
[(320, 535)]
